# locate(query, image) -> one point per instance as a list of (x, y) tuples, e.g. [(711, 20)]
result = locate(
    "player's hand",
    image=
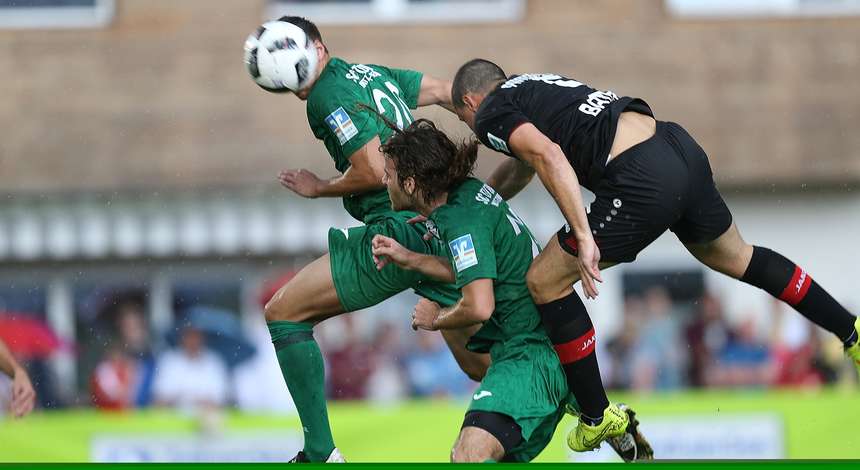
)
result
[(388, 250), (302, 182), (417, 220), (589, 262), (424, 315), (23, 395)]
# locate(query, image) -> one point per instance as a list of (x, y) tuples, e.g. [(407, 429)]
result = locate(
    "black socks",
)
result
[(572, 334), (774, 273)]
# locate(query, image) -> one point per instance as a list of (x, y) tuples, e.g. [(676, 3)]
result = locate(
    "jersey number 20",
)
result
[(401, 111)]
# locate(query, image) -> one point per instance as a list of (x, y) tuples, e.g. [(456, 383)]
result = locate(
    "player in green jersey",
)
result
[(346, 279), (522, 395)]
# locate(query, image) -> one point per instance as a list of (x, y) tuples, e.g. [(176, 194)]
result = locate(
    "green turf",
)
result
[(818, 425)]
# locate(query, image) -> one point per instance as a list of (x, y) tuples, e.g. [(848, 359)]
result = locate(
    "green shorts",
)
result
[(357, 281), (526, 382)]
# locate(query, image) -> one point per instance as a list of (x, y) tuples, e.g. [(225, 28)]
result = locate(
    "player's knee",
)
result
[(272, 310), (540, 288), (533, 282), (281, 308), (730, 260), (466, 452)]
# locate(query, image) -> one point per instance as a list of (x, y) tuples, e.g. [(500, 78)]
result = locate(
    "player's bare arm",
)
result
[(435, 91), (553, 169), (388, 250), (364, 174), (474, 364), (23, 395), (511, 177), (476, 306)]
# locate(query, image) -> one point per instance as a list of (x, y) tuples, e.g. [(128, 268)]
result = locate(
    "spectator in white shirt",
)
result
[(191, 377)]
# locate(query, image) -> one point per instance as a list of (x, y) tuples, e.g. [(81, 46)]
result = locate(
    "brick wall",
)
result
[(160, 98)]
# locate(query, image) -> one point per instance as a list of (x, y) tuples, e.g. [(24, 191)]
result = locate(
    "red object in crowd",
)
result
[(112, 383), (271, 287), (27, 337)]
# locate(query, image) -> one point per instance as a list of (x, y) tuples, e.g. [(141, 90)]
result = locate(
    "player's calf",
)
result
[(307, 298)]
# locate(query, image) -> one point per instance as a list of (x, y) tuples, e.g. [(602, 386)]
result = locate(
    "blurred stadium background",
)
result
[(139, 190)]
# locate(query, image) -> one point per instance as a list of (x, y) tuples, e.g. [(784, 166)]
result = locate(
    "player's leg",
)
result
[(344, 280), (707, 230), (306, 299), (781, 278), (522, 388), (642, 193), (550, 280), (484, 437)]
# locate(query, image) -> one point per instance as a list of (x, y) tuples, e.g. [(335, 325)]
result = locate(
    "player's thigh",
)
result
[(358, 282), (728, 253), (553, 272), (309, 296), (481, 437)]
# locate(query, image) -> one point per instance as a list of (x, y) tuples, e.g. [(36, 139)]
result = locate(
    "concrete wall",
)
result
[(815, 229)]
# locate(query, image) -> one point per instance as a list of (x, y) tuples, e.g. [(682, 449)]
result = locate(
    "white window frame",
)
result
[(98, 15), (402, 11), (725, 9)]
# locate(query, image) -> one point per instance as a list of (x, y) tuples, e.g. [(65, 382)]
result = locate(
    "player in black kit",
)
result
[(647, 176)]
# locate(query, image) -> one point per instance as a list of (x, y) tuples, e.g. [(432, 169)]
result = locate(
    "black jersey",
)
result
[(580, 119)]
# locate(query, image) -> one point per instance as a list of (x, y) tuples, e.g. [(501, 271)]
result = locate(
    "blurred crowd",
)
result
[(665, 345), (212, 358)]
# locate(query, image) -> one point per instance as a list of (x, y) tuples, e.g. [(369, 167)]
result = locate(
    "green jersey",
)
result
[(336, 117), (486, 240)]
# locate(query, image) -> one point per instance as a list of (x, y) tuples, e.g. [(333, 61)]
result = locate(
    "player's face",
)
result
[(399, 199), (303, 93), (466, 115)]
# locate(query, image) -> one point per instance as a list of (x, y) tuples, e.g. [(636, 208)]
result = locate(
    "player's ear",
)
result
[(471, 101), (321, 49), (409, 186)]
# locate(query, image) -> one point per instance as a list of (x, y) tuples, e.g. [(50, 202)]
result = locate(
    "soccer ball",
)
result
[(280, 57)]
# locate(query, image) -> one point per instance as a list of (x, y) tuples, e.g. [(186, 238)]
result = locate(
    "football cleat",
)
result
[(853, 351), (334, 457), (631, 445), (585, 437)]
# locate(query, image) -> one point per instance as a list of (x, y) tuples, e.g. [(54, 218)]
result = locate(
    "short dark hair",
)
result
[(434, 161), (475, 76), (308, 26)]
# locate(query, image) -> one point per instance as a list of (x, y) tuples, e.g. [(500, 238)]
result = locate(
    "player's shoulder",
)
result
[(333, 83), (472, 202)]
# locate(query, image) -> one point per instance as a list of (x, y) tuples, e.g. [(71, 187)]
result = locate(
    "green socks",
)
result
[(302, 367)]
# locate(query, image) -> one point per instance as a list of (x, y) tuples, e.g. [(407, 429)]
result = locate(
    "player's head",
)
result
[(313, 33), (422, 163), (475, 79)]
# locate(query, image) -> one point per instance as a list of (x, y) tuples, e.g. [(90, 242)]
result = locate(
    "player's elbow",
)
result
[(548, 155), (476, 370), (483, 309)]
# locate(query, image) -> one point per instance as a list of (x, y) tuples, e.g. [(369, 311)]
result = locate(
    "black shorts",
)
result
[(662, 183)]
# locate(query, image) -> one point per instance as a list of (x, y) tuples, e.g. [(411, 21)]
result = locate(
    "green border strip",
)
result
[(673, 465)]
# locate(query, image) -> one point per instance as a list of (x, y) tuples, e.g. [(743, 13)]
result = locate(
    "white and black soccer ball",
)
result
[(280, 57)]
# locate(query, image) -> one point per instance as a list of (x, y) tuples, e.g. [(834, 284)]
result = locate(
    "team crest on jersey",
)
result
[(340, 123), (431, 227), (497, 143), (464, 252)]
